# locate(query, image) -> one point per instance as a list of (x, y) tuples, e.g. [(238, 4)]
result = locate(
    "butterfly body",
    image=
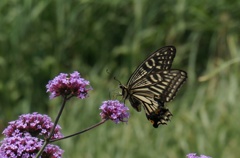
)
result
[(126, 95), (153, 83)]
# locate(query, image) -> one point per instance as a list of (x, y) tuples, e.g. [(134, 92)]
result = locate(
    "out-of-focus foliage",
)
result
[(103, 39)]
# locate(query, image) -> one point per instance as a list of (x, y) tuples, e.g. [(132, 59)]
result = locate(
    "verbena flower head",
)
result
[(115, 111), (32, 125), (65, 85), (27, 147), (194, 155), (23, 137)]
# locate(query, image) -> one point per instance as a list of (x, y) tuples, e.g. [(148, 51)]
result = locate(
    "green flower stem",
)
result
[(85, 130), (47, 140)]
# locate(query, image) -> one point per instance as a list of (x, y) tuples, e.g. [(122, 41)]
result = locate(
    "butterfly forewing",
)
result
[(153, 83), (160, 60)]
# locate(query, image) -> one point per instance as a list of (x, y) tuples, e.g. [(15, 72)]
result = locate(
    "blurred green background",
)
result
[(103, 39)]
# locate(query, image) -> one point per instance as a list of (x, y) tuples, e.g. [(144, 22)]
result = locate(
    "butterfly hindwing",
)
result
[(156, 113), (159, 117), (166, 84)]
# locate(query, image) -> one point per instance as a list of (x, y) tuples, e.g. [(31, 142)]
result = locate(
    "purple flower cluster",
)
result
[(20, 147), (115, 111), (65, 85), (27, 147), (194, 155), (32, 125), (22, 137)]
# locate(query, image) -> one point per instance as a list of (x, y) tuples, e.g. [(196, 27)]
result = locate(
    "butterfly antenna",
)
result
[(117, 80)]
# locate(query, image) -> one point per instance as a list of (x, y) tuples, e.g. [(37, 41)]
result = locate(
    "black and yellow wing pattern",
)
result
[(153, 84)]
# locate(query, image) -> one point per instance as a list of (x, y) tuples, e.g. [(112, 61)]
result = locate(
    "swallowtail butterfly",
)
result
[(153, 84)]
